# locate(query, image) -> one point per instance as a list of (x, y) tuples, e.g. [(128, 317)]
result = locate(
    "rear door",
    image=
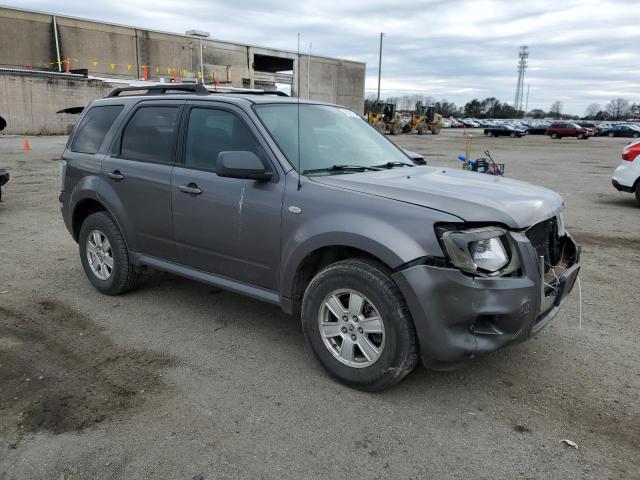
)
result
[(139, 172), (229, 227)]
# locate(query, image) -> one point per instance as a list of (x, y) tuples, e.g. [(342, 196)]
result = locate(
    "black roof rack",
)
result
[(196, 88)]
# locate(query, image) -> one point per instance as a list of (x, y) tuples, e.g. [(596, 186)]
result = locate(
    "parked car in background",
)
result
[(214, 188), (566, 129), (504, 131), (622, 131), (626, 177), (597, 129), (537, 130), (467, 122)]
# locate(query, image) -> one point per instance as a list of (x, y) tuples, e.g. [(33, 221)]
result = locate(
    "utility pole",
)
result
[(526, 108), (201, 35), (309, 73), (380, 64)]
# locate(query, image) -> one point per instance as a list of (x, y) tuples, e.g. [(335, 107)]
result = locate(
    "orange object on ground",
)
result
[(26, 146)]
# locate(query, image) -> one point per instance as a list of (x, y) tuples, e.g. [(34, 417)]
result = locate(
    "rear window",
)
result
[(94, 127), (150, 134)]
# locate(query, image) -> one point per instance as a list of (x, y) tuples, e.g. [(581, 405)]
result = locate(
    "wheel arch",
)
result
[(93, 195), (297, 279)]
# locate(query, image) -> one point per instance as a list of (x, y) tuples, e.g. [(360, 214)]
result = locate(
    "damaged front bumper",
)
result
[(459, 317)]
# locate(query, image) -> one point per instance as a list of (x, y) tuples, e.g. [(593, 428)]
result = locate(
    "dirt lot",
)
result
[(178, 380)]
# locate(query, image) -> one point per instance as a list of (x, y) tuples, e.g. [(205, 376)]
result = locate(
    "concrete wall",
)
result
[(29, 102), (117, 51)]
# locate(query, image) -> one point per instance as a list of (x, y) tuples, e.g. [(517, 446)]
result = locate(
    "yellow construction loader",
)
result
[(385, 119), (424, 120)]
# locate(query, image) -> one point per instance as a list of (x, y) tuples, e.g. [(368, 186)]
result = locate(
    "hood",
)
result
[(471, 196)]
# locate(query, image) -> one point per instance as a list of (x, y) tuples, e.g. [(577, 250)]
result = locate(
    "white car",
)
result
[(626, 177)]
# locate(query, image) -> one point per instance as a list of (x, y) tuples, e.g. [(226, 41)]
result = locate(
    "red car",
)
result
[(567, 129)]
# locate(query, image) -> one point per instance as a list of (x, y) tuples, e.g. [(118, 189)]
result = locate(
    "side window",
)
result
[(94, 127), (210, 132), (150, 134)]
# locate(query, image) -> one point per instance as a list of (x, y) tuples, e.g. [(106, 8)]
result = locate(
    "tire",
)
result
[(555, 136), (396, 353), (611, 134), (490, 134), (422, 129), (513, 135), (581, 136), (638, 193), (381, 127), (396, 129), (636, 135), (123, 276)]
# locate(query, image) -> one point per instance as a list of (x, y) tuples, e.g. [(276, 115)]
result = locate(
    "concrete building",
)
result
[(35, 41)]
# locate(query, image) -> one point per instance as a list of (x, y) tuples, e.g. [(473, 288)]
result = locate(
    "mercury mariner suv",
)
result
[(306, 206)]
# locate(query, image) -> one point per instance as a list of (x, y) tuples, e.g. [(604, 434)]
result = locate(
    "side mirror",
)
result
[(241, 164)]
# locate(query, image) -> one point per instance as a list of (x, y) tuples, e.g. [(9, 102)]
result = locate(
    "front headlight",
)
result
[(478, 250)]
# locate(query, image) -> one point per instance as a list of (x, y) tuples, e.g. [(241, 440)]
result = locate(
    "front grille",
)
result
[(544, 238)]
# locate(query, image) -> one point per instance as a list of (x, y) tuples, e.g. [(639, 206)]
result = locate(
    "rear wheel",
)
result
[(554, 136), (611, 134), (380, 126), (358, 325), (423, 129), (512, 135), (581, 136), (104, 255), (638, 192)]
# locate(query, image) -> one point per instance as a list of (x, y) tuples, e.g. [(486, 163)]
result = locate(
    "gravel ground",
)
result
[(178, 380)]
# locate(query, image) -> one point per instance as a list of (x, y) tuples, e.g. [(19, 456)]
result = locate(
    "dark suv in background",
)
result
[(566, 129), (385, 262)]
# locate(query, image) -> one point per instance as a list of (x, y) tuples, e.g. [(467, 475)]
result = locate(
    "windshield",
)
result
[(329, 136)]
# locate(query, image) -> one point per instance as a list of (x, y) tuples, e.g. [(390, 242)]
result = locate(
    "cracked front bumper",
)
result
[(459, 317)]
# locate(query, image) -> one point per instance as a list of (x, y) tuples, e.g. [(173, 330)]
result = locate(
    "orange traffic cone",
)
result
[(26, 146)]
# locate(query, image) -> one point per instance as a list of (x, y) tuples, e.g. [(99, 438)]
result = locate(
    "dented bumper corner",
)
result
[(459, 317)]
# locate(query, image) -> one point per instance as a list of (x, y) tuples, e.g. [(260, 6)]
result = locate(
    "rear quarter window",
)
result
[(94, 127)]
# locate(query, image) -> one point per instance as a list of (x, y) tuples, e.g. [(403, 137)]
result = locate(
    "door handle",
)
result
[(115, 175), (191, 189)]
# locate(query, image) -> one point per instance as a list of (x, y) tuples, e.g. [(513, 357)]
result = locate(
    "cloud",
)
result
[(581, 51)]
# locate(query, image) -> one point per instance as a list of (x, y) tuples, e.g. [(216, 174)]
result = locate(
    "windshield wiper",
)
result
[(394, 164), (340, 168)]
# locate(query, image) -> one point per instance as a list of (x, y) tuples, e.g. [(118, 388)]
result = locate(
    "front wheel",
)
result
[(581, 136), (358, 325), (104, 255), (513, 135), (611, 134), (554, 136)]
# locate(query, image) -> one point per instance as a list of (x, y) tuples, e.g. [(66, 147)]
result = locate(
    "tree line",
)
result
[(491, 107)]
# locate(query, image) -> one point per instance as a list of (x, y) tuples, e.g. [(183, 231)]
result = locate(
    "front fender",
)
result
[(392, 231)]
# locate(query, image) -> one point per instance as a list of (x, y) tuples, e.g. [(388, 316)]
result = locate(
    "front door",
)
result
[(225, 226), (139, 172)]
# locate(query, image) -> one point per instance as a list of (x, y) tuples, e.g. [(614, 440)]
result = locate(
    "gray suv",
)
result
[(306, 206)]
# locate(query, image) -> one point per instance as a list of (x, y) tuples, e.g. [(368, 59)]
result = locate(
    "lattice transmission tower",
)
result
[(523, 61)]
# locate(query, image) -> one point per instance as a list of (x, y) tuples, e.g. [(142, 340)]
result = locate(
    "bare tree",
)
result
[(617, 108), (592, 110), (556, 109)]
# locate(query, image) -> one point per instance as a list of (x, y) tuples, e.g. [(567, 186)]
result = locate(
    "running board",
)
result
[(224, 283)]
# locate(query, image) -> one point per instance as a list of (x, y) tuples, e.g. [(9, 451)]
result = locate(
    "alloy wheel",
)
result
[(99, 254), (351, 328)]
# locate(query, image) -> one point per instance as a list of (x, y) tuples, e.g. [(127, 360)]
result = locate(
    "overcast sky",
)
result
[(581, 51)]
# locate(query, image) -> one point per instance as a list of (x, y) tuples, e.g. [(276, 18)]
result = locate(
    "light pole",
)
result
[(380, 64), (200, 35)]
